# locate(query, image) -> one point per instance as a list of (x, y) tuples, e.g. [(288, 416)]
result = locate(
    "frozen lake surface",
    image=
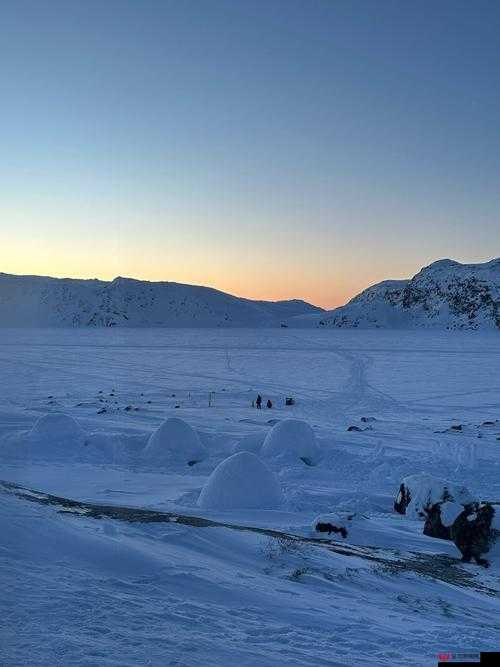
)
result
[(102, 592)]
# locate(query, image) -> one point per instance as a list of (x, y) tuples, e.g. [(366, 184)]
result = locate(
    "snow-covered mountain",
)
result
[(445, 295), (54, 302)]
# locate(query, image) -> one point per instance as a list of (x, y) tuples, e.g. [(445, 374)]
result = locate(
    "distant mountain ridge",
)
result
[(37, 301), (443, 295)]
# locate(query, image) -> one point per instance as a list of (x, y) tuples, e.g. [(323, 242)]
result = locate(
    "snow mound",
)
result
[(242, 481), (175, 442), (423, 491), (56, 435), (290, 441), (250, 443)]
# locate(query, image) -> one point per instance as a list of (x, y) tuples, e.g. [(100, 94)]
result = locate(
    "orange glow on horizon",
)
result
[(327, 299)]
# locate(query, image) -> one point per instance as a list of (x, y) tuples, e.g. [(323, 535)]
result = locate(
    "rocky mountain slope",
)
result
[(444, 295), (54, 302)]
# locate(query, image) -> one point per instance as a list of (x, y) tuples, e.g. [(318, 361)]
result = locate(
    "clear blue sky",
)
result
[(268, 148)]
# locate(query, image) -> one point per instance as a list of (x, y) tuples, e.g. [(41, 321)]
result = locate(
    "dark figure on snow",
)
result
[(269, 403), (258, 402)]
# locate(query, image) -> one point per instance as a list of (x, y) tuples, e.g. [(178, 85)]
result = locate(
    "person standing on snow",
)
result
[(269, 403), (258, 402)]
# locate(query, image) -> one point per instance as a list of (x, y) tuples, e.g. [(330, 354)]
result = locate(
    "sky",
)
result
[(268, 148)]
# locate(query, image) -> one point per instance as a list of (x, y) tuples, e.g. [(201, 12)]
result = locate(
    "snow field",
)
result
[(98, 591)]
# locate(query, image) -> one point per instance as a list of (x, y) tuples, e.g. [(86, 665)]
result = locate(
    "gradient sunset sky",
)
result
[(271, 149)]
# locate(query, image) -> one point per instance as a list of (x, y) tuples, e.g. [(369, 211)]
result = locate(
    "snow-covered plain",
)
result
[(84, 591)]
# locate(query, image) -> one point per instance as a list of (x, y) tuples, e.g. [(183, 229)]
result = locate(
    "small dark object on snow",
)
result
[(50, 397), (101, 411), (177, 406), (330, 528), (365, 420), (172, 396), (100, 391), (488, 423), (456, 427), (472, 532), (269, 403), (354, 428), (149, 402), (289, 400), (128, 408), (258, 402)]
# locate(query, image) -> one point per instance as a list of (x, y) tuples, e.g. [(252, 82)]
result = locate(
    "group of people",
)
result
[(258, 403)]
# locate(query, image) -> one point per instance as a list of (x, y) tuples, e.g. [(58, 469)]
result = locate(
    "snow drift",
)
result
[(242, 481), (291, 441), (174, 443)]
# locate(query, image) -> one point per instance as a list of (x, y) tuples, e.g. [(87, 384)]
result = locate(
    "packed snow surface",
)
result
[(291, 441), (174, 442), (242, 481), (84, 591)]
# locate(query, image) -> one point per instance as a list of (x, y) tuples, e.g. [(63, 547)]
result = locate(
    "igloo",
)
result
[(242, 481), (56, 434), (290, 441), (250, 443), (175, 442)]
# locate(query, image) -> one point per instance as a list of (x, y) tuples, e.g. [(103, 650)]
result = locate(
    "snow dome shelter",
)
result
[(242, 481), (174, 442), (291, 441), (56, 434)]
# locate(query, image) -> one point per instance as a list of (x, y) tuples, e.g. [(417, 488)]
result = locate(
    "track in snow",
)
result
[(437, 566)]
